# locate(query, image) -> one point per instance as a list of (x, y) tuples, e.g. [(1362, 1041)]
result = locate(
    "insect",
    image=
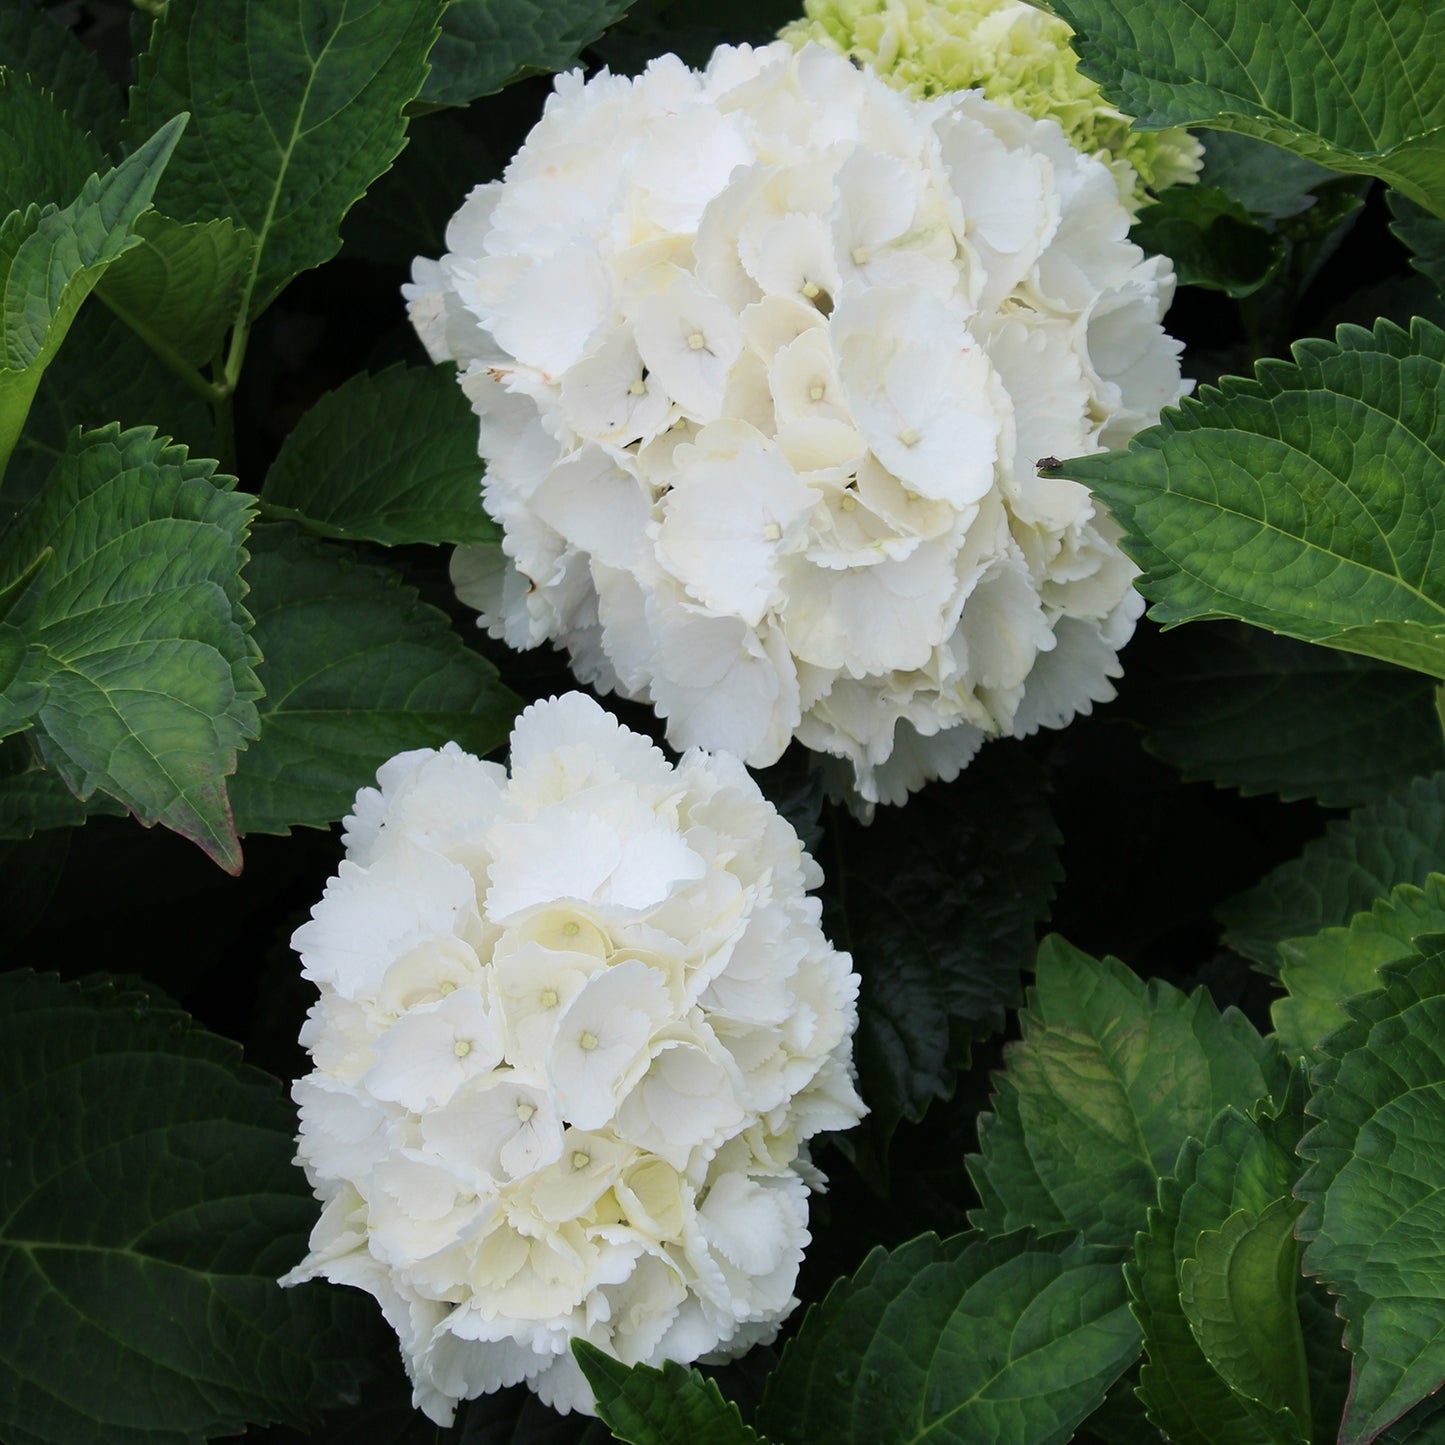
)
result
[(1044, 463)]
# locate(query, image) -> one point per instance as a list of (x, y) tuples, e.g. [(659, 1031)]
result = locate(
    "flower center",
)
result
[(581, 1160), (860, 255), (816, 391), (525, 1111), (638, 387), (697, 341), (811, 290), (588, 1040), (549, 998), (462, 1048), (572, 928), (772, 532), (850, 504), (909, 436)]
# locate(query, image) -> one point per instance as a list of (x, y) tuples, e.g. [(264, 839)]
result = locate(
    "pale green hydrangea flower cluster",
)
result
[(1017, 56)]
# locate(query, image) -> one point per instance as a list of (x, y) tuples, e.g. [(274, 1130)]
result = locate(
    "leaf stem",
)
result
[(209, 391), (225, 413)]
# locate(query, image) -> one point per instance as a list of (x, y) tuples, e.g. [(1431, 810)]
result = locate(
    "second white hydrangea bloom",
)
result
[(764, 358), (575, 1030)]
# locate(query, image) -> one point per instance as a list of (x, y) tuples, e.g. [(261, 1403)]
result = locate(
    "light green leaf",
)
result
[(1400, 839), (1011, 1340), (143, 645), (1321, 971), (670, 1406), (1307, 501), (1112, 1075), (1372, 1192), (356, 668), (50, 261), (390, 458), (149, 1203), (178, 289), (1238, 1292), (45, 156), (943, 897), (1243, 1165), (1245, 709), (1353, 87), (1424, 234), (296, 108), (1213, 241), (36, 44), (486, 44)]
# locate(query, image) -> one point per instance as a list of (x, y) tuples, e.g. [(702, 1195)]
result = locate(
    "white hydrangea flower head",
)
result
[(576, 1028), (765, 357)]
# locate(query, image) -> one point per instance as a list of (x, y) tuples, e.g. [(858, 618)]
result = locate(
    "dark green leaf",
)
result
[(296, 108), (1373, 1188), (1267, 181), (106, 373), (1307, 501), (1424, 234), (1212, 240), (390, 458), (1245, 709), (1013, 1341), (50, 261), (1112, 1075), (37, 798), (143, 647), (180, 286), (45, 156), (1320, 972), (356, 669), (1422, 1426), (670, 1406), (938, 901), (36, 44), (149, 1203), (1351, 86), (1400, 839), (485, 44)]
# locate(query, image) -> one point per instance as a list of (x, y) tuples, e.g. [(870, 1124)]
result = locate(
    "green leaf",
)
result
[(486, 44), (1373, 1188), (1011, 1340), (390, 458), (21, 601), (1424, 234), (1268, 182), (1242, 708), (1400, 839), (1112, 1075), (1190, 1382), (149, 1202), (941, 899), (36, 44), (296, 108), (670, 1406), (1321, 971), (1238, 1292), (1421, 1426), (105, 372), (1307, 501), (356, 669), (180, 286), (45, 156), (1212, 240), (50, 261), (35, 799), (1353, 87), (143, 646)]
